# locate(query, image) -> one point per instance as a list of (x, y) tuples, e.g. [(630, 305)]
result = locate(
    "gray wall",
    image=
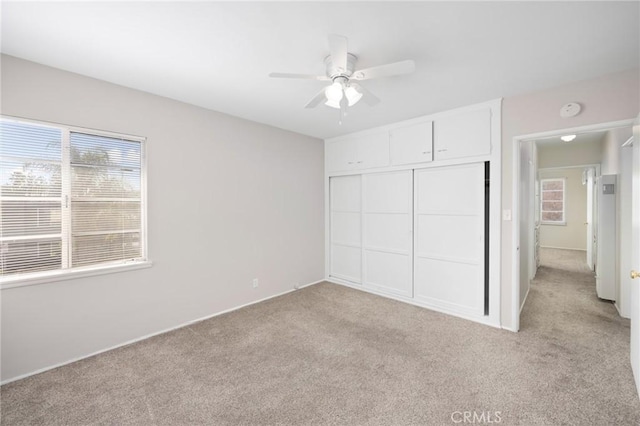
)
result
[(608, 98), (229, 200)]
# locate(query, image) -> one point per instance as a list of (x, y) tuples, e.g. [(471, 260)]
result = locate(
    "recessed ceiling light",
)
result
[(568, 138)]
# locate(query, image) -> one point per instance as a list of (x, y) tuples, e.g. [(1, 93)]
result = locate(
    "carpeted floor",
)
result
[(327, 354)]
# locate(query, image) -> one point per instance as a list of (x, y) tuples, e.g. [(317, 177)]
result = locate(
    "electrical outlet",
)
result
[(255, 283)]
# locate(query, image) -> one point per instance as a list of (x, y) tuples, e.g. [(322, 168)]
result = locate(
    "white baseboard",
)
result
[(564, 248), (525, 298), (147, 336)]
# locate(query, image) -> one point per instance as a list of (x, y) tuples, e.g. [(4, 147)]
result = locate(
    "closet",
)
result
[(409, 210)]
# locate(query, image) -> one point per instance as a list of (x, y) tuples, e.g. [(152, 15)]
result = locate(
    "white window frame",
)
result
[(32, 278), (562, 222)]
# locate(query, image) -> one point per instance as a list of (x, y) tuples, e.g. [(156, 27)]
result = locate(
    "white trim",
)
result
[(525, 298), (515, 188), (579, 166), (75, 129), (14, 281), (486, 320), (563, 248), (515, 238), (415, 166), (147, 336), (584, 129), (628, 143)]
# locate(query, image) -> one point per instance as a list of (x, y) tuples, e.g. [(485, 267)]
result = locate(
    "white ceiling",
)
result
[(218, 54)]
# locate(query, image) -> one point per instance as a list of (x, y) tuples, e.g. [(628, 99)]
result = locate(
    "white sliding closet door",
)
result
[(388, 236), (346, 228), (449, 251)]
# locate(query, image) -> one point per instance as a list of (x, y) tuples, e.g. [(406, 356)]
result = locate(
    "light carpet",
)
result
[(328, 354)]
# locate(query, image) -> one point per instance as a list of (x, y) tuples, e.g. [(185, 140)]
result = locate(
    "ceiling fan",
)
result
[(343, 91)]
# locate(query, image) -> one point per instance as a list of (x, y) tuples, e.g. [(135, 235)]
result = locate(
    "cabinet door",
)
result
[(346, 242), (449, 244), (356, 153), (341, 155), (387, 232), (372, 150), (411, 144), (463, 135)]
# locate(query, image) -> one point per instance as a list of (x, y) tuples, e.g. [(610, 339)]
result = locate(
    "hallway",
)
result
[(587, 337)]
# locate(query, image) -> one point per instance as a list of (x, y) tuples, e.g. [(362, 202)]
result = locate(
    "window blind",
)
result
[(105, 199), (68, 199), (31, 198)]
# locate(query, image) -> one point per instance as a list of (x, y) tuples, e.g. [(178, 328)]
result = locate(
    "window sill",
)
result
[(554, 223), (51, 276)]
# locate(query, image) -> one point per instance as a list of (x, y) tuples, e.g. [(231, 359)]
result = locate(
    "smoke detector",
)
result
[(570, 110)]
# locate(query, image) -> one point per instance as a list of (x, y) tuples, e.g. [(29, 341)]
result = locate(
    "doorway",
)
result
[(601, 144)]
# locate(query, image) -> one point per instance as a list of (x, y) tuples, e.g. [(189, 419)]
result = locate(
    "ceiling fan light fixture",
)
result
[(568, 138), (352, 94), (332, 104), (334, 92), (334, 95)]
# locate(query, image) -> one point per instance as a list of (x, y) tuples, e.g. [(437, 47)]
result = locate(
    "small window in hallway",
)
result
[(552, 201)]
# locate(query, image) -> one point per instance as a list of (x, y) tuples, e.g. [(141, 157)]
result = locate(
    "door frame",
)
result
[(515, 191)]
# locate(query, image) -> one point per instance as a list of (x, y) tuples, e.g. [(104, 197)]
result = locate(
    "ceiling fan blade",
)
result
[(304, 76), (316, 99), (368, 97), (388, 70), (338, 49)]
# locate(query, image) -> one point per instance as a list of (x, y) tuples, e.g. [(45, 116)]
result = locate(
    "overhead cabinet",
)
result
[(358, 153), (457, 136), (462, 135), (412, 144)]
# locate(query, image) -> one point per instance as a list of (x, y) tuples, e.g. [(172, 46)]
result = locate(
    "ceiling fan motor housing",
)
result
[(333, 71)]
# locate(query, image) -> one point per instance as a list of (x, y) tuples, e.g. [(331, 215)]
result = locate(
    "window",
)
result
[(552, 201), (71, 199)]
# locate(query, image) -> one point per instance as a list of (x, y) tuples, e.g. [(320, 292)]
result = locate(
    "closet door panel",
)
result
[(345, 195), (346, 263), (450, 189), (345, 228), (389, 272), (450, 285), (388, 231), (388, 192), (449, 246), (387, 236), (449, 237)]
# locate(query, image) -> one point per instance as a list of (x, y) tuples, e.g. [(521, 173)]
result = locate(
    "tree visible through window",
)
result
[(552, 201), (68, 199)]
